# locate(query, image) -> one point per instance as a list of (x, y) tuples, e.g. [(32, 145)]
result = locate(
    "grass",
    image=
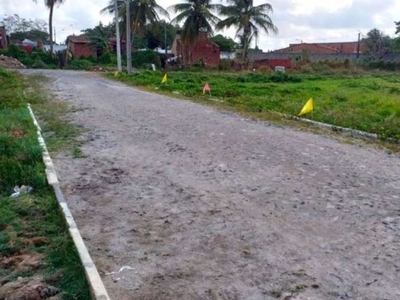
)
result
[(369, 103), (52, 113), (35, 216)]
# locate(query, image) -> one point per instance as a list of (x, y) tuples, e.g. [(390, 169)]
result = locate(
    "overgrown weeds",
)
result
[(363, 102)]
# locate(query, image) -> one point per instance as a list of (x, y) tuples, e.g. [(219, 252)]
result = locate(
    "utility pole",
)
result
[(128, 39), (118, 37), (165, 39), (358, 45), (55, 35)]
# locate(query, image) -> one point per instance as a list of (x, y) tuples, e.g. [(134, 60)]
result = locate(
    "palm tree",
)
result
[(247, 19), (142, 12), (197, 17), (50, 5)]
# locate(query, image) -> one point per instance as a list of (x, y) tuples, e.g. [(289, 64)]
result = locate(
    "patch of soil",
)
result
[(17, 133), (27, 289)]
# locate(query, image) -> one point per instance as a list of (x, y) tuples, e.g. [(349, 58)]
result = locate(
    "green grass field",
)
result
[(369, 103), (32, 223)]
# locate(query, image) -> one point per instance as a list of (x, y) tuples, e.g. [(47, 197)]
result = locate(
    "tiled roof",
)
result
[(330, 48), (78, 39)]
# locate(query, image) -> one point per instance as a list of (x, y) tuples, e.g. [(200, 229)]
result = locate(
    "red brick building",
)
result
[(203, 50), (80, 46), (325, 48)]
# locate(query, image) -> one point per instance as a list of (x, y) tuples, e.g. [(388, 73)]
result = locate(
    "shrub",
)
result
[(306, 69), (225, 65), (80, 64), (257, 78), (283, 77), (106, 58), (139, 58), (265, 70)]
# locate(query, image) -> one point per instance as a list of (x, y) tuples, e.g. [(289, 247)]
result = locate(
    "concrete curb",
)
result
[(96, 284), (352, 132)]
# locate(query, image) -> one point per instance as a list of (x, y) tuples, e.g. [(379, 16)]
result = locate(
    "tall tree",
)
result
[(50, 4), (99, 36), (197, 16), (377, 44), (14, 23), (142, 12), (397, 27), (225, 44), (160, 34), (248, 21), (32, 35)]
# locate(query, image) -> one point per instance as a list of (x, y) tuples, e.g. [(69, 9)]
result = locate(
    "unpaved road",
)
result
[(208, 205)]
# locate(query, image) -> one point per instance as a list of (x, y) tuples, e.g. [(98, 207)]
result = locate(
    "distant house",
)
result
[(323, 48), (56, 48), (204, 50), (80, 46)]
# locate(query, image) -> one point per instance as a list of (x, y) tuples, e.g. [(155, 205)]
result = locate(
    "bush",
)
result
[(79, 64), (106, 58), (139, 58), (36, 59), (384, 65), (225, 65), (306, 69), (39, 64), (283, 77), (265, 70)]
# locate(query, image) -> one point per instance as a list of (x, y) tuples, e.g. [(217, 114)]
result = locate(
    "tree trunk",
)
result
[(128, 39), (51, 28), (245, 48), (118, 37)]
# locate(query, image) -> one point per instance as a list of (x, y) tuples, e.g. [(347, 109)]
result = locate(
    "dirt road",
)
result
[(207, 205)]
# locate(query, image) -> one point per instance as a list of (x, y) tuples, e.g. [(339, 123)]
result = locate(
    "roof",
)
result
[(203, 36), (328, 48), (79, 39), (29, 42), (314, 48), (56, 48)]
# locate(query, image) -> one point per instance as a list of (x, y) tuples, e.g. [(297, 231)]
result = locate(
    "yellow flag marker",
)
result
[(164, 79), (308, 107), (116, 74)]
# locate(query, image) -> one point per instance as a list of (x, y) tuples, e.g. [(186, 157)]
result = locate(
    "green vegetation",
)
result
[(38, 59), (369, 103), (32, 223)]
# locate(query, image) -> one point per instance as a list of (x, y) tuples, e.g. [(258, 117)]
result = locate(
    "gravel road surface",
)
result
[(207, 205)]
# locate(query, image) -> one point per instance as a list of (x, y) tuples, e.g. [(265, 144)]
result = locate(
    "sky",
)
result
[(307, 21)]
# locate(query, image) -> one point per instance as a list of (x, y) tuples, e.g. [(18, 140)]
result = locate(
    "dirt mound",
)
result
[(10, 63)]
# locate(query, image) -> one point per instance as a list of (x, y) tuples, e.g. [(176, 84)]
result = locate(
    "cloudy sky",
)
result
[(297, 20)]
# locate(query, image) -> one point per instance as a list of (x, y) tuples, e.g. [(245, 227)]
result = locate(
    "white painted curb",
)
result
[(353, 132), (96, 284)]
